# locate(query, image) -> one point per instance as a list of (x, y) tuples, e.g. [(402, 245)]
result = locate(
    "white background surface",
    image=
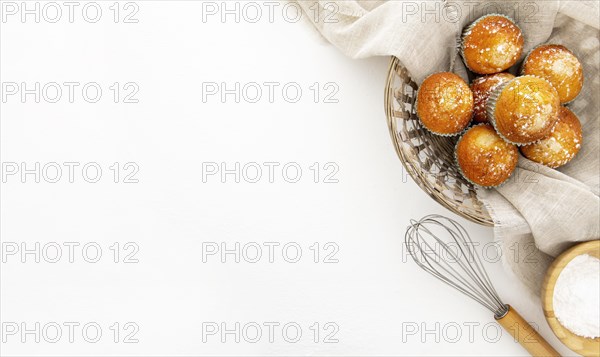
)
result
[(370, 296)]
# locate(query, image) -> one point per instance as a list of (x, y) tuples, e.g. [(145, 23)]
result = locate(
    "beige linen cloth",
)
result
[(540, 212)]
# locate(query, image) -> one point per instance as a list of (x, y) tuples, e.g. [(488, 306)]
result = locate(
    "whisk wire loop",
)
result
[(451, 258)]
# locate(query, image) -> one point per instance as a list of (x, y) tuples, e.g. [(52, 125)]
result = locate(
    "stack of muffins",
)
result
[(509, 113)]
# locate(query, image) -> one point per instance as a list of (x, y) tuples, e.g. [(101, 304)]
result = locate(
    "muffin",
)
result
[(491, 44), (482, 88), (561, 146), (559, 66), (445, 104), (484, 158), (524, 110)]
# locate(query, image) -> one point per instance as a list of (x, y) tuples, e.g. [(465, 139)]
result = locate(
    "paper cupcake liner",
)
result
[(490, 107), (460, 170), (423, 124), (468, 29)]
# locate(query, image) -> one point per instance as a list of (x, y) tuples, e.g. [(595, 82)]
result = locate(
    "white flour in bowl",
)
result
[(576, 296)]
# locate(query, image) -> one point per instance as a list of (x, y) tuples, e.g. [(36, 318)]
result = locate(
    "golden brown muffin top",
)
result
[(445, 103), (492, 44), (525, 110), (484, 157), (561, 146), (559, 66)]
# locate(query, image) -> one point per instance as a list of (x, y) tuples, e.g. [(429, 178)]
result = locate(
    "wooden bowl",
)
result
[(582, 345)]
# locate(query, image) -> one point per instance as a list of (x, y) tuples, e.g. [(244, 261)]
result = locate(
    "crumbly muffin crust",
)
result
[(492, 44), (557, 65), (561, 146), (484, 158), (445, 103), (524, 110)]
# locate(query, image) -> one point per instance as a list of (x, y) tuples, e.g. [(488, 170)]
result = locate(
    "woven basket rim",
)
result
[(415, 170)]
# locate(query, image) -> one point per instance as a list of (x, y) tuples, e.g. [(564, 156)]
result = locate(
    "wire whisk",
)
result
[(443, 248), (454, 261)]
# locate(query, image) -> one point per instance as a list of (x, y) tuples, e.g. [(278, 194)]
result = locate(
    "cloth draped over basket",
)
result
[(543, 211)]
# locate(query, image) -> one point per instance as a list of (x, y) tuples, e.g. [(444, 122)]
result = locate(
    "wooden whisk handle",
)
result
[(525, 334)]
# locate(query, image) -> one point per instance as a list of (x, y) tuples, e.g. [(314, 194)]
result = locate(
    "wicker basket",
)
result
[(428, 158)]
